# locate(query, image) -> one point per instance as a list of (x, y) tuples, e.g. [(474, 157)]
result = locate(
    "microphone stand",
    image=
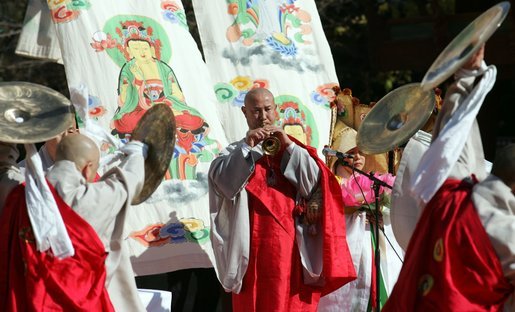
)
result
[(377, 184)]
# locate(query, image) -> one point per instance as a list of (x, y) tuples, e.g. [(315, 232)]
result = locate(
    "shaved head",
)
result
[(253, 94), (82, 151), (259, 108)]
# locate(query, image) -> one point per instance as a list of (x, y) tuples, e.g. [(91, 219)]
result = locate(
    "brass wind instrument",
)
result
[(271, 145)]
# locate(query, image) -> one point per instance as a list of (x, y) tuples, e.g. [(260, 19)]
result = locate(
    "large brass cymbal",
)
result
[(32, 113), (156, 129), (395, 118), (466, 43)]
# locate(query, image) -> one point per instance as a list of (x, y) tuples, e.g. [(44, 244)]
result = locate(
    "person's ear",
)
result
[(87, 171), (244, 110)]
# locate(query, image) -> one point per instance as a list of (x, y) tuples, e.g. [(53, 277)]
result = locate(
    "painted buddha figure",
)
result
[(144, 80), (141, 47)]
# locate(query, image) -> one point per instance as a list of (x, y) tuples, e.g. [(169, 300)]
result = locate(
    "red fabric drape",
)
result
[(273, 280), (37, 281), (450, 264)]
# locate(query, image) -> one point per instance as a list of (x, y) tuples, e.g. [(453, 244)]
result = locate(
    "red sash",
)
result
[(273, 280), (37, 281), (450, 264)]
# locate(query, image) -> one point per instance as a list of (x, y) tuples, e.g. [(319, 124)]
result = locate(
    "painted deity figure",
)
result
[(140, 46), (144, 80)]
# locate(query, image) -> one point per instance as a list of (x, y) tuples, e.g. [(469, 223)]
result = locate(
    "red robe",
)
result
[(450, 264), (274, 280), (37, 281)]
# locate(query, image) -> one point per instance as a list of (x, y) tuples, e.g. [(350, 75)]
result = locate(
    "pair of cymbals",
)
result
[(402, 112)]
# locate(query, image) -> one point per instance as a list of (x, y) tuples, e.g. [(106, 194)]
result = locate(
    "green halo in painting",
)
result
[(296, 119), (136, 28)]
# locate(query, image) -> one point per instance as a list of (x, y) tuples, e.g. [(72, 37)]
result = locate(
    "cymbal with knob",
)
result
[(31, 113), (464, 45), (395, 118), (156, 129)]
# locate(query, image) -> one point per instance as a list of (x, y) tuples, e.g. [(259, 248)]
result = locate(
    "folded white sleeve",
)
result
[(439, 159)]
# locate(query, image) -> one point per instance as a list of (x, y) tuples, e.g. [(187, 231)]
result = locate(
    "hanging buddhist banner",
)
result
[(121, 58), (277, 44), (38, 38)]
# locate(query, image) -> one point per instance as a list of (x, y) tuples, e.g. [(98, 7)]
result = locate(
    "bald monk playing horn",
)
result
[(265, 254)]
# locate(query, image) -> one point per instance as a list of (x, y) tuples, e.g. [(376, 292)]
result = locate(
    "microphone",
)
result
[(330, 152)]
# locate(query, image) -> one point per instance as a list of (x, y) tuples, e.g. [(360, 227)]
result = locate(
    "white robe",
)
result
[(492, 199), (104, 205), (228, 201), (423, 170), (495, 204), (472, 158)]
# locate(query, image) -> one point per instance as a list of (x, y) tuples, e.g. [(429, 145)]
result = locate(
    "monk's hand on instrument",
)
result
[(279, 133), (135, 147), (255, 136), (474, 62)]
